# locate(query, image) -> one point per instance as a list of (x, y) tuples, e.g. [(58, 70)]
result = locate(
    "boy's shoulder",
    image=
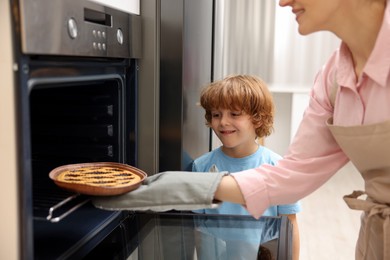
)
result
[(270, 155)]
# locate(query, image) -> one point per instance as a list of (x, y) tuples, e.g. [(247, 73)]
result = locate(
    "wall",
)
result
[(296, 61), (297, 58), (9, 235)]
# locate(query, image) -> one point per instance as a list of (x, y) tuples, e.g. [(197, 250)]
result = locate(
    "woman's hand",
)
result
[(172, 190)]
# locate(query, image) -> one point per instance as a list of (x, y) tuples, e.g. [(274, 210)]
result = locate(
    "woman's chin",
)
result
[(305, 31)]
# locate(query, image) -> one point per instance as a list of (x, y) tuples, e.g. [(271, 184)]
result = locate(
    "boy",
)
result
[(240, 110)]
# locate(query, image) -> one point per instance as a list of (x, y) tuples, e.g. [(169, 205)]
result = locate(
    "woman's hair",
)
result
[(244, 93)]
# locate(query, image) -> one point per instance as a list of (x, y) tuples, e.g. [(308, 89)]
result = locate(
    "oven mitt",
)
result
[(171, 190)]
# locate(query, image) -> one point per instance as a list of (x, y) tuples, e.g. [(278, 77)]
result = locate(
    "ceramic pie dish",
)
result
[(98, 179)]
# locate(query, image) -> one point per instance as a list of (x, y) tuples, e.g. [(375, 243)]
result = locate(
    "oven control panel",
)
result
[(79, 28)]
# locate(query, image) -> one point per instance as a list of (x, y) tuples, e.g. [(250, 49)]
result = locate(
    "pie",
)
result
[(100, 176)]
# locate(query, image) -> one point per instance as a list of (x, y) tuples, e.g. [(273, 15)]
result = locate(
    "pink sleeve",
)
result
[(312, 158)]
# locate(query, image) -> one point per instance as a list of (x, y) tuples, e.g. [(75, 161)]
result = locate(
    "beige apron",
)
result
[(368, 148)]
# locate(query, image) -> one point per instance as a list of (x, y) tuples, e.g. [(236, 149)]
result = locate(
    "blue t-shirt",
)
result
[(242, 239)]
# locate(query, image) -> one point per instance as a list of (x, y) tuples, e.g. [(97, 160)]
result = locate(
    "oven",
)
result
[(76, 98)]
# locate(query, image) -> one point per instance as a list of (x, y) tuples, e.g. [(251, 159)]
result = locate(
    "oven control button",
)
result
[(119, 36), (72, 28)]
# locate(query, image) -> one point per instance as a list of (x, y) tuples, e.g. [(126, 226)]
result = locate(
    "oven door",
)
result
[(184, 235)]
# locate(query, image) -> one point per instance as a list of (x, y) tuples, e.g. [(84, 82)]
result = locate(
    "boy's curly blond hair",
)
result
[(245, 93)]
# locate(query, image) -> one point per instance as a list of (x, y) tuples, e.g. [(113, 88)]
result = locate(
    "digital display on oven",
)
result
[(93, 16)]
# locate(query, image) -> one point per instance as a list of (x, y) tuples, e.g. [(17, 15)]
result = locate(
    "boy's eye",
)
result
[(214, 115), (236, 113)]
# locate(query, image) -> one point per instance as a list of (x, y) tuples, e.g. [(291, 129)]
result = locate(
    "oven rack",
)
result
[(54, 205)]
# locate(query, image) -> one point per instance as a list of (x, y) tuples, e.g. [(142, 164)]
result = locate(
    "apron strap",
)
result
[(371, 209)]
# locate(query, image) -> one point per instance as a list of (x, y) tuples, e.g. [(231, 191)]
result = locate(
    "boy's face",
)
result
[(235, 130)]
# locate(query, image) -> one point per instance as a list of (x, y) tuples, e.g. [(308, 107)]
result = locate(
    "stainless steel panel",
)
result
[(171, 78), (78, 28), (148, 89), (185, 66), (196, 74)]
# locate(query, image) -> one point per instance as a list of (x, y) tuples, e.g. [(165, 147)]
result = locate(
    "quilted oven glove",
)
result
[(171, 190)]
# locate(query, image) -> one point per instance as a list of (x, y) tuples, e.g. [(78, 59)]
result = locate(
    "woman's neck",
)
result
[(361, 31)]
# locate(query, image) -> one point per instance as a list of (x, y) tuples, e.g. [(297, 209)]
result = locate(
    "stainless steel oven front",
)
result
[(76, 94)]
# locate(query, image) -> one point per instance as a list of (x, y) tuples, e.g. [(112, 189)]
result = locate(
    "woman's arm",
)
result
[(228, 190)]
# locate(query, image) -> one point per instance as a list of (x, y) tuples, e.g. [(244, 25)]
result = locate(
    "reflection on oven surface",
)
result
[(184, 235)]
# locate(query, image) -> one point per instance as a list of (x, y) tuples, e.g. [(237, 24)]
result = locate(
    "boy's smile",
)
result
[(236, 132)]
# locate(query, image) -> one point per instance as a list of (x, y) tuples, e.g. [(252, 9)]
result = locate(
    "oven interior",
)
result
[(77, 120)]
